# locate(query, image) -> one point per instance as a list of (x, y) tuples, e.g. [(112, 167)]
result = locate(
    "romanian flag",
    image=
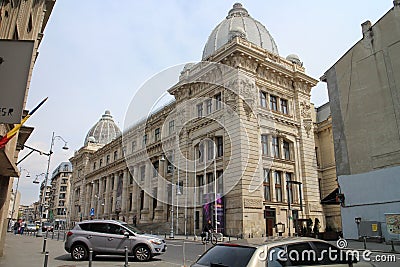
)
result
[(4, 140)]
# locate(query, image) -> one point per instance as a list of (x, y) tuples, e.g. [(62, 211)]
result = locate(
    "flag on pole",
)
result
[(4, 140)]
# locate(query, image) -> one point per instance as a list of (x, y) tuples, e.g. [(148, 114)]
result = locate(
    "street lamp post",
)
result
[(42, 201)]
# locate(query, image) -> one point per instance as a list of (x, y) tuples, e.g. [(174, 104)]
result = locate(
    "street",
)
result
[(26, 250)]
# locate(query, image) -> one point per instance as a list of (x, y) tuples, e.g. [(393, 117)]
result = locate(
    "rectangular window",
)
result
[(220, 146), (264, 144), (278, 186), (210, 182), (273, 102), (201, 152), (157, 134), (210, 150), (171, 127), (286, 150), (284, 106), (275, 147), (218, 103), (220, 182), (200, 183), (263, 99), (317, 155), (155, 168), (200, 110), (144, 140), (94, 165), (108, 159), (115, 155), (267, 187), (142, 172), (112, 183), (101, 162), (133, 146), (209, 106), (131, 176)]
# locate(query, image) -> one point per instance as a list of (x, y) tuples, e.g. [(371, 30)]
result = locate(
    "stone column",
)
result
[(159, 210), (106, 196), (99, 199), (147, 179), (114, 192), (125, 195)]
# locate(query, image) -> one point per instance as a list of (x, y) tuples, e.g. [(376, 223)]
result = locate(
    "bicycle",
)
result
[(210, 237)]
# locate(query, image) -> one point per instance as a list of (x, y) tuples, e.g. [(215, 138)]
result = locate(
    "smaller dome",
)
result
[(91, 139), (294, 59), (104, 131)]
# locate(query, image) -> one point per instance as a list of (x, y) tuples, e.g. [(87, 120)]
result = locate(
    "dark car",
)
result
[(46, 226)]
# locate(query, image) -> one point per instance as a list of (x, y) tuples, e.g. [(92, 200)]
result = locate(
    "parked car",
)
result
[(31, 227), (295, 251), (109, 237), (46, 226)]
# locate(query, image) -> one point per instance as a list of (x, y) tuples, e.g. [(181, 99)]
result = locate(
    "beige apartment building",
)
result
[(19, 20), (60, 194), (236, 146)]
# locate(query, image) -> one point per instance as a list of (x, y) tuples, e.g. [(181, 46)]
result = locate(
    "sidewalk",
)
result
[(372, 246), (28, 252)]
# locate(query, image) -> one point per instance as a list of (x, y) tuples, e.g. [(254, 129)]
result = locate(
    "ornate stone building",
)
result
[(60, 194), (19, 20), (242, 115)]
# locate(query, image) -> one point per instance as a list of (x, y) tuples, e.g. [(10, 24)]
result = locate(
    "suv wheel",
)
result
[(142, 253), (79, 252)]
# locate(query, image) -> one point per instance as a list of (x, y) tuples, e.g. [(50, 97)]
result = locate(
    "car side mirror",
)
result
[(126, 234)]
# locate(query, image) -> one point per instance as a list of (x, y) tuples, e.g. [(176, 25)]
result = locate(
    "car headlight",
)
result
[(156, 241)]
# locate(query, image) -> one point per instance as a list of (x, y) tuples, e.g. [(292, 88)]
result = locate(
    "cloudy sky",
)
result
[(96, 54)]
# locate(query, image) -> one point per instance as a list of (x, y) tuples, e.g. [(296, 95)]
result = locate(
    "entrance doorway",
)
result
[(270, 220)]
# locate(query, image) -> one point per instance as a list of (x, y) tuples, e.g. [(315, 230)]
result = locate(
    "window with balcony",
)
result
[(218, 103), (278, 186), (220, 146), (171, 127), (284, 106), (264, 144), (275, 147), (263, 99), (267, 185), (209, 106), (200, 110), (286, 149), (157, 135)]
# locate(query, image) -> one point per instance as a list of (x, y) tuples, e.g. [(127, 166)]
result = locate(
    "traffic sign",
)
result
[(92, 212)]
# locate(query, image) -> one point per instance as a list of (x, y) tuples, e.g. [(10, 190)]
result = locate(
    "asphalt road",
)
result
[(27, 251)]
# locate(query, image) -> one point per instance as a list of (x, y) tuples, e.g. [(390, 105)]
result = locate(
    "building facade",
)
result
[(19, 20), (60, 194), (236, 146), (364, 91), (14, 204)]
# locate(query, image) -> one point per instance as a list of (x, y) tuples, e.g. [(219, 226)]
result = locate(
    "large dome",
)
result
[(104, 131), (239, 23)]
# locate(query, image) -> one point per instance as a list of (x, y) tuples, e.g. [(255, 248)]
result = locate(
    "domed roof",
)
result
[(239, 23), (104, 131)]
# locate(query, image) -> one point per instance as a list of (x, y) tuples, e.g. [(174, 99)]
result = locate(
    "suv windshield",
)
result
[(223, 255)]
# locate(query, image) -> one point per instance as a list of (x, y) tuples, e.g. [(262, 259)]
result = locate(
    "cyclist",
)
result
[(208, 228)]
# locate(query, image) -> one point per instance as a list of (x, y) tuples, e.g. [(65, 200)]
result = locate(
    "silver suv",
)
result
[(109, 237)]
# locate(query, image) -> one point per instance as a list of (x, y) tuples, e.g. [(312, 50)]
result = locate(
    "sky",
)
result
[(96, 54)]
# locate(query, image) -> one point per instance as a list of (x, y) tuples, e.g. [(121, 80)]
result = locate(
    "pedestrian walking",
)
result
[(23, 226), (16, 227)]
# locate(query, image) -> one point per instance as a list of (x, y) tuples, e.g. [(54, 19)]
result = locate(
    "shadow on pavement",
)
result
[(103, 258)]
